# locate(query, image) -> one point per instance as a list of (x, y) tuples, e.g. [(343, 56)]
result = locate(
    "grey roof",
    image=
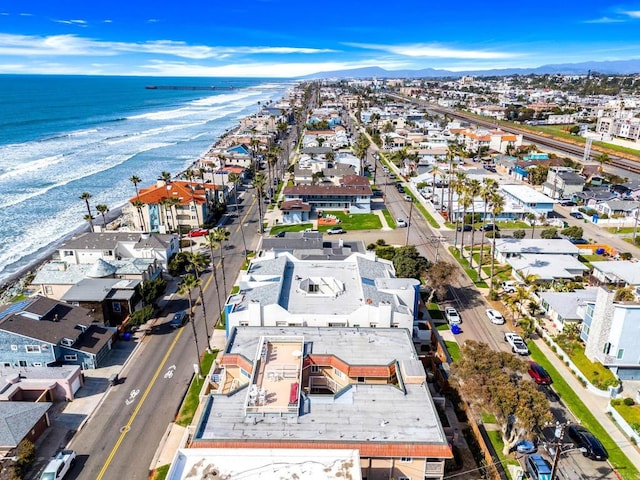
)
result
[(317, 150), (572, 178), (110, 240), (566, 304), (312, 246), (625, 270), (17, 419), (101, 269), (622, 205), (362, 413), (50, 321), (547, 266), (99, 289), (62, 273)]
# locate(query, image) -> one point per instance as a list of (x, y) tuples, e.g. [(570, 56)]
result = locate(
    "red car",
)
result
[(539, 374), (198, 232)]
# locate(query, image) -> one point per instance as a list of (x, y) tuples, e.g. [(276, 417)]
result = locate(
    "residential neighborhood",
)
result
[(313, 256)]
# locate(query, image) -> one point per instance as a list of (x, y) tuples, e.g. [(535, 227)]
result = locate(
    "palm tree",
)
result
[(89, 218), (489, 187), (221, 235), (136, 180), (532, 220), (465, 202), (165, 177), (497, 207), (198, 262), (211, 242), (259, 183), (456, 184), (138, 205), (166, 205), (189, 282), (602, 158), (235, 178), (102, 208), (473, 188)]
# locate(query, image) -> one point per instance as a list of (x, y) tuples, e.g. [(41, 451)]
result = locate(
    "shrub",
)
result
[(519, 234), (628, 401), (616, 402), (549, 233), (626, 255), (371, 246), (493, 295), (141, 316)]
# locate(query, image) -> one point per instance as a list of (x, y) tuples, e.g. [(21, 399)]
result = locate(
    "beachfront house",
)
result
[(88, 247), (170, 206), (40, 332)]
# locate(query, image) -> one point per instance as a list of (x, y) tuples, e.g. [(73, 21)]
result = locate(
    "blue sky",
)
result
[(283, 38)]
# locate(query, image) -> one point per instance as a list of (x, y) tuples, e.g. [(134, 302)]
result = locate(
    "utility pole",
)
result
[(409, 223), (559, 435)]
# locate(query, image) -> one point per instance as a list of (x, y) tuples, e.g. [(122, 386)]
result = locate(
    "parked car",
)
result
[(526, 447), (464, 228), (401, 189), (577, 215), (198, 232), (489, 227), (495, 316), (281, 234), (59, 466), (587, 442), (568, 203), (335, 231), (378, 193), (400, 223), (511, 286), (539, 374), (578, 241), (538, 467), (517, 343), (408, 198), (179, 319), (452, 315)]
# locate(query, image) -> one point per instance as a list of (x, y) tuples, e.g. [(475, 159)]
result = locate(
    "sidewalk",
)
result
[(597, 405)]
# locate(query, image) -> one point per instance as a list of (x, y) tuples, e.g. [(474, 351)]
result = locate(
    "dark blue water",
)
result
[(64, 135)]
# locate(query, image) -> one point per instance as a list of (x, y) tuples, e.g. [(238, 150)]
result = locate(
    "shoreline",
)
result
[(15, 283)]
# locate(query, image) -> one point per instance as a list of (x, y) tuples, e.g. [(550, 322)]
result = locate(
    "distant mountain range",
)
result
[(616, 67)]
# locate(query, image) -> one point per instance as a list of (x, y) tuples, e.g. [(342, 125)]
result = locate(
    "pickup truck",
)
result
[(517, 343), (59, 465)]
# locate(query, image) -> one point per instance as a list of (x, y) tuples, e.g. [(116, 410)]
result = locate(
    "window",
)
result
[(71, 358), (373, 325), (620, 354), (32, 348), (67, 253), (244, 324), (406, 459), (360, 379), (67, 342), (607, 348), (339, 374), (14, 348), (37, 364), (22, 363), (48, 290), (116, 307), (315, 368), (6, 364), (280, 323)]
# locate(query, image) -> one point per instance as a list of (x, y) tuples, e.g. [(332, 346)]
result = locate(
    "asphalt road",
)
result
[(121, 438)]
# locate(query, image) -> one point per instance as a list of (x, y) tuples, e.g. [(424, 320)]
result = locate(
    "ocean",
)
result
[(61, 136)]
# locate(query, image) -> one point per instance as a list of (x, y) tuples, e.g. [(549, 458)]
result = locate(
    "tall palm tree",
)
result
[(532, 220), (102, 208), (89, 218), (197, 262), (211, 242), (136, 180), (221, 235), (189, 282), (456, 185), (165, 176), (166, 206), (473, 189), (235, 178), (465, 202), (259, 182), (497, 207), (489, 187), (138, 206)]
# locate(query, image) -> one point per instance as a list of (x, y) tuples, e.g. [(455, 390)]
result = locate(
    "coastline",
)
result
[(15, 283)]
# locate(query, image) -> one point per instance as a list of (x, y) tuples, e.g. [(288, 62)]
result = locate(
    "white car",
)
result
[(400, 223), (452, 315), (495, 316), (517, 343)]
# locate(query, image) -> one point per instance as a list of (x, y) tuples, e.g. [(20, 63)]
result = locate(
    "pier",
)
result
[(187, 87)]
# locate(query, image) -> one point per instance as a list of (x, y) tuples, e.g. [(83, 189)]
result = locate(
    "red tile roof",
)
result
[(178, 189), (296, 204)]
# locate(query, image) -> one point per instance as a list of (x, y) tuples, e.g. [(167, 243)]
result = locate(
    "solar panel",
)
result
[(16, 307)]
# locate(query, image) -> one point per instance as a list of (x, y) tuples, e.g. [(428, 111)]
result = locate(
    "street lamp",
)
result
[(436, 240)]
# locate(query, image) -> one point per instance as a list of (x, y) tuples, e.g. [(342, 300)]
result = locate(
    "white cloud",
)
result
[(81, 23), (605, 20), (26, 14), (632, 13), (72, 45), (435, 51), (107, 21)]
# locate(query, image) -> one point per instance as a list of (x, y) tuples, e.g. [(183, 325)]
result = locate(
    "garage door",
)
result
[(75, 385), (628, 373)]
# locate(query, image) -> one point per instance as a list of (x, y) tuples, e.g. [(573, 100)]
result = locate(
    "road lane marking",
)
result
[(127, 427)]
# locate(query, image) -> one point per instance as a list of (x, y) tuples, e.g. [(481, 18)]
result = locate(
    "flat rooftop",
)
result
[(402, 413), (526, 194), (263, 463)]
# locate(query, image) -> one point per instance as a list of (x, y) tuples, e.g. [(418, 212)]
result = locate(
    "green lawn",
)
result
[(355, 221), (621, 230), (513, 225), (631, 413), (572, 399), (390, 220), (444, 327), (298, 227), (472, 273), (161, 473), (597, 374), (434, 311), (489, 418), (453, 348), (496, 440), (191, 400)]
